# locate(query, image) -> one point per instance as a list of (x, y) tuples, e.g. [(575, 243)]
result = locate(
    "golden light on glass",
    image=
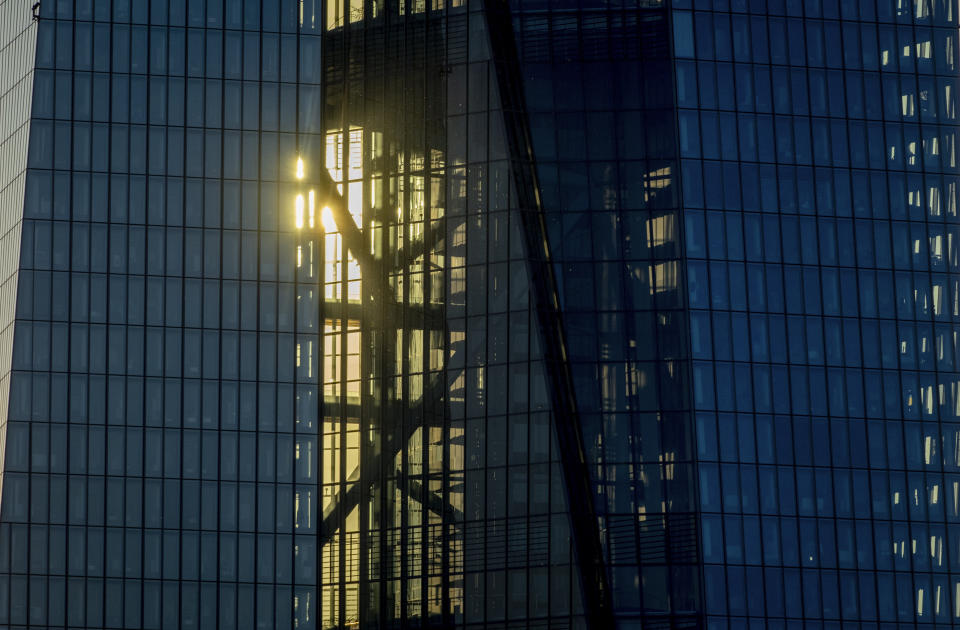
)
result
[(311, 206), (299, 212), (299, 168), (355, 201), (326, 218)]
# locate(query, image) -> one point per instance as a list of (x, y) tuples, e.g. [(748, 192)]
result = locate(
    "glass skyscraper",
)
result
[(454, 314), (818, 146), (161, 431)]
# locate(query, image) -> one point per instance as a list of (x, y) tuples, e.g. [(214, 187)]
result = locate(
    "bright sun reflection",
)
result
[(326, 218), (299, 215)]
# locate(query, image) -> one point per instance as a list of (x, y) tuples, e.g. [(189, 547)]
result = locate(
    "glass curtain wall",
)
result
[(162, 463), (819, 170), (17, 44), (597, 84), (443, 503)]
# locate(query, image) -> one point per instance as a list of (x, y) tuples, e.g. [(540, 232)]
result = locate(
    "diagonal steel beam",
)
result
[(346, 226), (346, 501), (353, 241), (598, 601), (414, 488)]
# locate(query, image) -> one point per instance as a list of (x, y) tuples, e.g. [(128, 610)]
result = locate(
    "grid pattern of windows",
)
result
[(443, 501), (603, 138), (161, 468), (224, 410), (17, 41), (819, 180), (207, 428)]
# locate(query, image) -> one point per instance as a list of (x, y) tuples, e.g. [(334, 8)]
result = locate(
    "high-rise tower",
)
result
[(161, 431), (455, 314)]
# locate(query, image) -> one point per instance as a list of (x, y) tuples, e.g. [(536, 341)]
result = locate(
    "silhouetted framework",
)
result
[(389, 85), (410, 314)]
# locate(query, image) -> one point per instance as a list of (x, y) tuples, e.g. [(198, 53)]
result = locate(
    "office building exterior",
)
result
[(822, 269), (450, 314)]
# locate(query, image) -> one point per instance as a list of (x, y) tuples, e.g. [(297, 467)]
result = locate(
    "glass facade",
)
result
[(600, 111), (17, 41), (819, 175), (162, 428), (17, 47), (441, 484), (227, 408), (504, 314)]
